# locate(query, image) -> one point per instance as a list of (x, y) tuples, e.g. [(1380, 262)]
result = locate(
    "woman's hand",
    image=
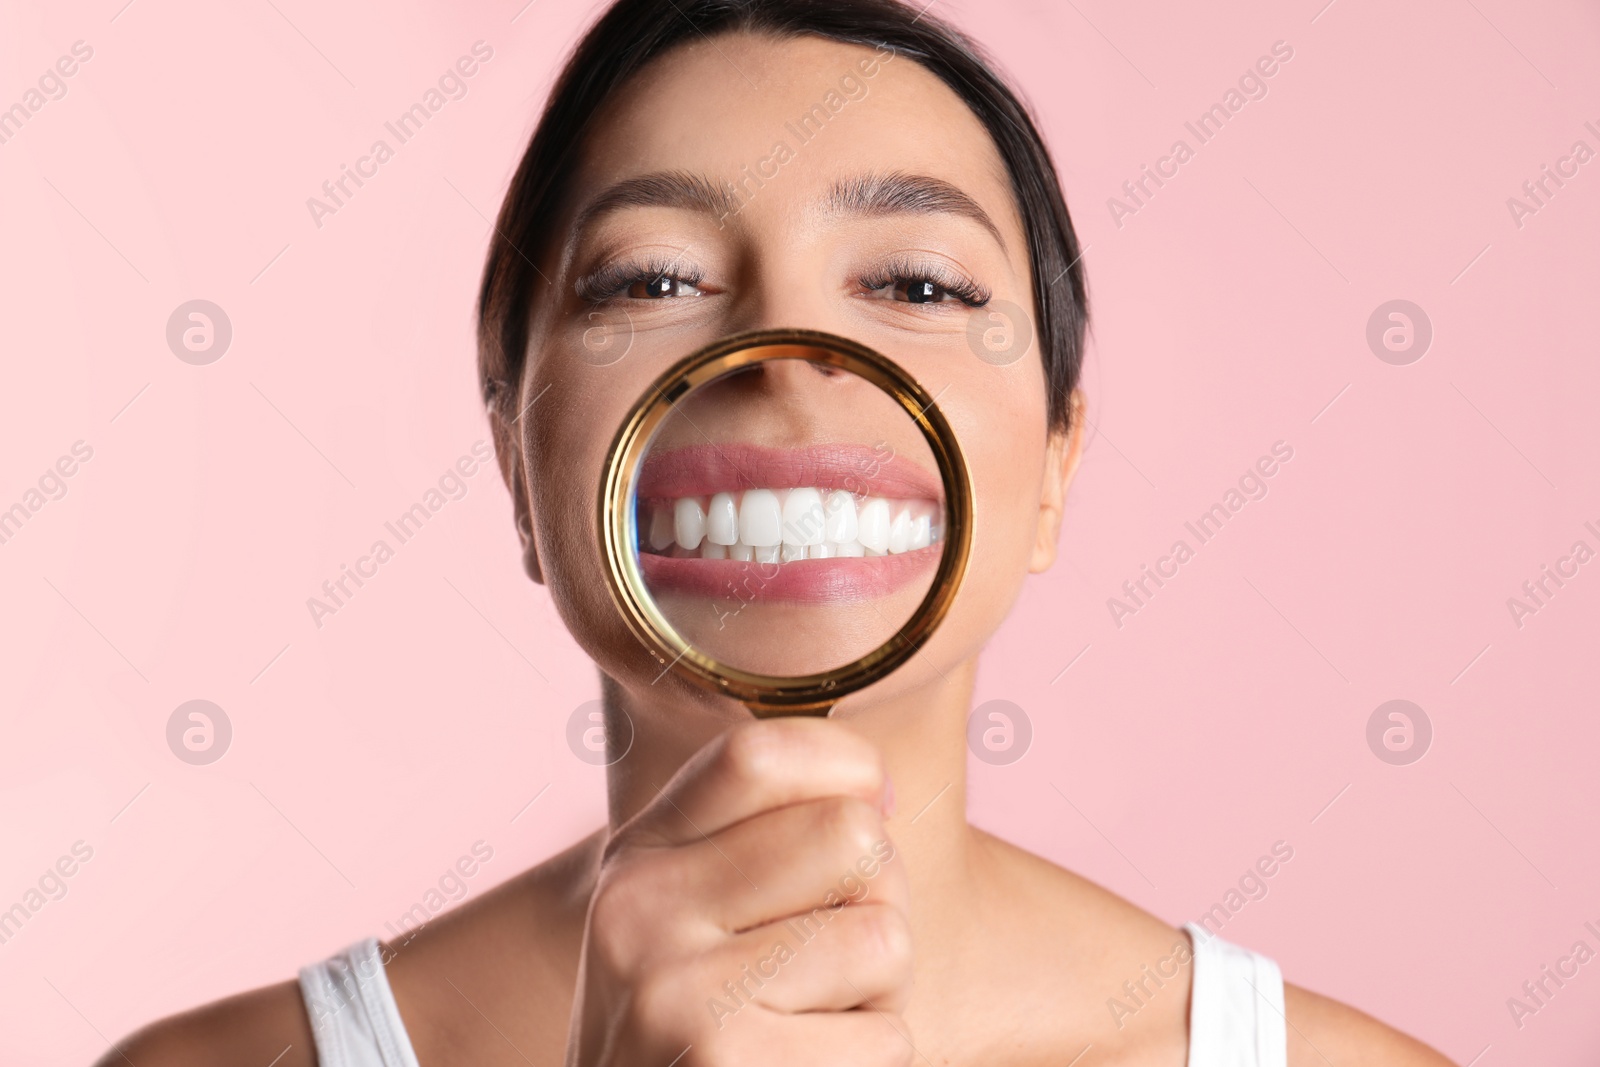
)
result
[(753, 913)]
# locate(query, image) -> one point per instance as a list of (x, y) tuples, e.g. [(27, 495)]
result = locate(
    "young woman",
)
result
[(760, 893)]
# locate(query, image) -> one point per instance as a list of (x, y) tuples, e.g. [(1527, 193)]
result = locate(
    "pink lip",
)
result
[(819, 581), (701, 470)]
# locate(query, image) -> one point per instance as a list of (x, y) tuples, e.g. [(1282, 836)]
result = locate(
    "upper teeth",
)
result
[(782, 525)]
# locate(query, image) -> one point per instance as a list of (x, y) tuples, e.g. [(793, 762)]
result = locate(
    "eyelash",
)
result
[(900, 270), (614, 279)]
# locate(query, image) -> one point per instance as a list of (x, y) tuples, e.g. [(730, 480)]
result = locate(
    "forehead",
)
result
[(817, 109)]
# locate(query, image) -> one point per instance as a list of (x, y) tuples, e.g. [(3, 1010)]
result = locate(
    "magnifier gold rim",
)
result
[(768, 695)]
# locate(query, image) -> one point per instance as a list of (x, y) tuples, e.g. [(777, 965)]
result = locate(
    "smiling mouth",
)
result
[(819, 523)]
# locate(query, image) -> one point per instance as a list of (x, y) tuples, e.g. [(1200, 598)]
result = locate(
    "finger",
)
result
[(753, 768), (835, 960), (788, 862)]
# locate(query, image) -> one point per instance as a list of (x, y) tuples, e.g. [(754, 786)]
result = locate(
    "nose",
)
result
[(786, 392), (792, 377), (788, 289)]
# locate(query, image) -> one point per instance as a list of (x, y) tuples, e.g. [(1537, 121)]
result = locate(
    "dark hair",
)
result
[(631, 33)]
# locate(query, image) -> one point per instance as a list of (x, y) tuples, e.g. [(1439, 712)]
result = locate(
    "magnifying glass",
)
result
[(786, 517)]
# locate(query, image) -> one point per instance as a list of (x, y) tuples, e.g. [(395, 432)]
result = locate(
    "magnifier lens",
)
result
[(789, 517)]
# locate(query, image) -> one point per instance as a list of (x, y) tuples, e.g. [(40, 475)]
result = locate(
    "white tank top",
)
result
[(1235, 1008)]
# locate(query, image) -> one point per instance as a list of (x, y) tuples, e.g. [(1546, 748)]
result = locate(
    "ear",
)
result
[(508, 450), (1062, 453)]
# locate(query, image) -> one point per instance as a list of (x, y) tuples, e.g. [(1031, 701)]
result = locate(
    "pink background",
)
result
[(1230, 310)]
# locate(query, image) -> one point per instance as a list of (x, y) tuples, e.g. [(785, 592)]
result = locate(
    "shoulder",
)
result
[(499, 969), (261, 1026), (483, 957), (1107, 931), (1323, 1030), (1084, 963), (1115, 941)]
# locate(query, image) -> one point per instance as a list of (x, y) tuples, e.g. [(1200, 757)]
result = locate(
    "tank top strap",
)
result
[(354, 1019), (1235, 1007)]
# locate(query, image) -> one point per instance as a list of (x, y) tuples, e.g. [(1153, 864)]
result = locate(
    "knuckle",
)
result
[(748, 751), (887, 936), (851, 824), (656, 1005), (886, 1044), (612, 948), (614, 909)]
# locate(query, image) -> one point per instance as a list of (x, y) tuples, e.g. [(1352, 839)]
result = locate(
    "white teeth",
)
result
[(761, 520), (802, 517), (722, 520), (900, 530), (789, 525), (689, 523), (841, 517), (661, 532), (873, 525), (921, 531)]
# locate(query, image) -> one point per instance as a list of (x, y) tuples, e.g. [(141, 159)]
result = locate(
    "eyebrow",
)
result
[(670, 189), (870, 195), (877, 195)]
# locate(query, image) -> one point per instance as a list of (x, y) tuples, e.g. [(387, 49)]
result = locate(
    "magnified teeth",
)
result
[(900, 530), (873, 525), (840, 524), (802, 518), (689, 523), (722, 520), (788, 525), (761, 520), (921, 532)]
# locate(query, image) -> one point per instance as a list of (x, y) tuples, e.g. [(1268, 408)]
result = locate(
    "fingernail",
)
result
[(888, 796)]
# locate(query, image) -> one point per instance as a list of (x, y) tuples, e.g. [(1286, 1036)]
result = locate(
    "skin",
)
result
[(965, 949)]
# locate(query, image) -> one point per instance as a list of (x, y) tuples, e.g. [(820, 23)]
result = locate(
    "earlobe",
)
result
[(530, 549), (1062, 453), (508, 450)]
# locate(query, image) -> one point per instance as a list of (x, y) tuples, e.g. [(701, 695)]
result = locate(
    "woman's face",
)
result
[(743, 182)]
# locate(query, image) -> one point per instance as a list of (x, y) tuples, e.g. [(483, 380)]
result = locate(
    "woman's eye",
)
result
[(920, 291), (661, 287), (916, 288)]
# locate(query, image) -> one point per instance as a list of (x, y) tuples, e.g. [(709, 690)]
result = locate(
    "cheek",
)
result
[(1006, 475), (1000, 417), (567, 440), (1003, 436)]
